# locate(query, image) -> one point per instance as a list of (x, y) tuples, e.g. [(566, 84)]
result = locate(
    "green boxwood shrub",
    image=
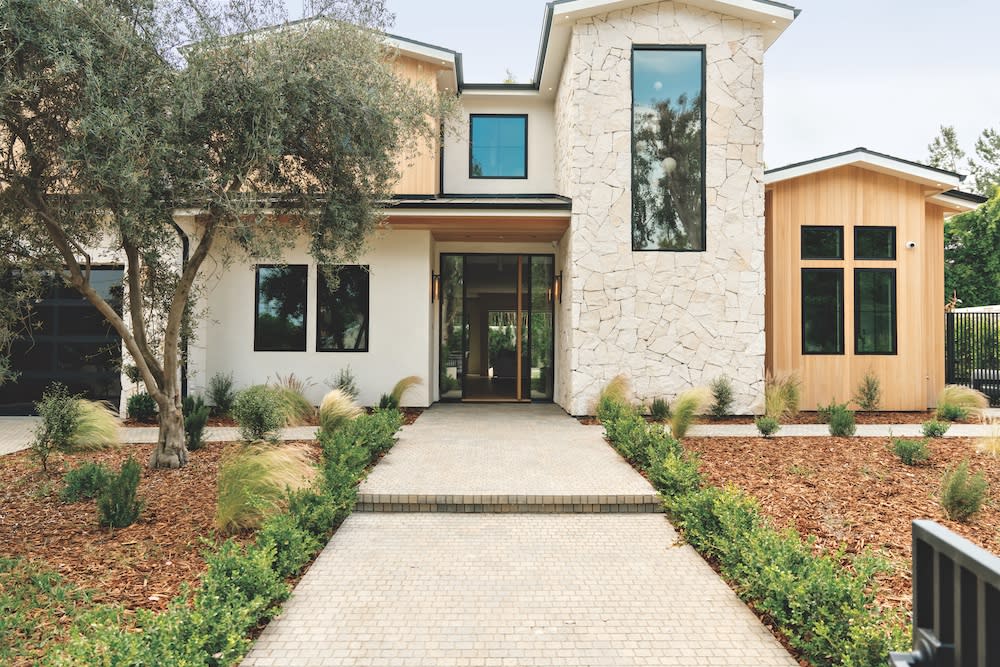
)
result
[(141, 407), (259, 412), (933, 428), (767, 426)]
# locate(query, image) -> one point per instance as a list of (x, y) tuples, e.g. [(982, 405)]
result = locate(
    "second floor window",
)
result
[(498, 146)]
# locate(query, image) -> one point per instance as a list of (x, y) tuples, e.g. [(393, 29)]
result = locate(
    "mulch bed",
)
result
[(410, 415), (811, 417), (852, 491)]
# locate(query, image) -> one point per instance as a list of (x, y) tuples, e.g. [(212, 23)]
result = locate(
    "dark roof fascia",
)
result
[(967, 196), (487, 195), (861, 149), (425, 44), (471, 202)]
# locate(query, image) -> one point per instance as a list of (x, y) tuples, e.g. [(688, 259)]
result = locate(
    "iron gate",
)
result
[(972, 352)]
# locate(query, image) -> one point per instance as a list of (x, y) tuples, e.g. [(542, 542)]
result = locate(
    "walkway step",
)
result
[(509, 504)]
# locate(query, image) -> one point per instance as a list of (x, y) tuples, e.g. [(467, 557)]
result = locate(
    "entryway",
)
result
[(497, 325)]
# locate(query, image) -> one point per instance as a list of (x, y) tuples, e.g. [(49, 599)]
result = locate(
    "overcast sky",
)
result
[(883, 74)]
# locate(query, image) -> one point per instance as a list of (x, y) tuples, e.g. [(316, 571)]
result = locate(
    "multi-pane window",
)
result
[(342, 309), (280, 314), (822, 243), (498, 146), (875, 311), (874, 243), (822, 311)]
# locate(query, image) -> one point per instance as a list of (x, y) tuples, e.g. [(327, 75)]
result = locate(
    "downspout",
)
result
[(185, 252)]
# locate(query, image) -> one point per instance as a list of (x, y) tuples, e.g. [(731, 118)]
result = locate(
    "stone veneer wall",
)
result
[(668, 320)]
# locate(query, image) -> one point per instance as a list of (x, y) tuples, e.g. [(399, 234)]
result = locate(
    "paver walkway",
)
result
[(422, 588)]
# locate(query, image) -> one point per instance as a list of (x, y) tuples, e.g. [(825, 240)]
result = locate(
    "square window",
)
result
[(822, 311), (822, 243), (280, 315), (498, 146), (875, 311), (342, 310), (874, 243)]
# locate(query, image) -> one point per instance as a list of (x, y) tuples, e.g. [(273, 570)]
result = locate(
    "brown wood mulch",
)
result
[(853, 491), (410, 415), (811, 417)]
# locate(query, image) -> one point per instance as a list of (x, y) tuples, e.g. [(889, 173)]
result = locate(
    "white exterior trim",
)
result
[(860, 157), (956, 204)]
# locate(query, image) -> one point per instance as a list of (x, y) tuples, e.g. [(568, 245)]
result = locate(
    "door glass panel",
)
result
[(541, 327), (452, 327)]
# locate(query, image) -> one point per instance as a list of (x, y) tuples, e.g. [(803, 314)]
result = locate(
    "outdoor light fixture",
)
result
[(557, 287), (435, 286)]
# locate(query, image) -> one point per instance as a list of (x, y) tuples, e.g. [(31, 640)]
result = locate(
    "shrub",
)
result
[(97, 427), (141, 407), (781, 395), (84, 482), (315, 512), (842, 423), (910, 452), (962, 494), (254, 482), (868, 395), (932, 428), (615, 391), (659, 409), (767, 426), (295, 407), (685, 407), (292, 545), (221, 393), (722, 392), (391, 400), (675, 474), (117, 505), (132, 374), (337, 408), (347, 383), (386, 402), (195, 417), (60, 413), (259, 412), (957, 402), (824, 412)]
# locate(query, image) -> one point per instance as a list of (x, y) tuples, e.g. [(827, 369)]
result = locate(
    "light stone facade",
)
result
[(667, 320)]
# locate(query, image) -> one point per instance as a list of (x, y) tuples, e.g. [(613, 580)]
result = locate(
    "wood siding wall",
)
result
[(418, 168), (850, 197)]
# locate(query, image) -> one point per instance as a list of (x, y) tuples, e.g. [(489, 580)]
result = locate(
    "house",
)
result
[(613, 216)]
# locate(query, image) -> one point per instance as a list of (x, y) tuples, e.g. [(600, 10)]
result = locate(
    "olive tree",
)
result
[(114, 115)]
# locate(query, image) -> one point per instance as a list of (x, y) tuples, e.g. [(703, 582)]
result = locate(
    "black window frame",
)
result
[(802, 246), (472, 117), (895, 241), (320, 284), (895, 311), (802, 310), (256, 309)]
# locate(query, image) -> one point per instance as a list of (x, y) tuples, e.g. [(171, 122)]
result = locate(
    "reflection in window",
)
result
[(822, 243), (875, 243), (498, 146), (668, 149), (822, 311), (875, 311), (342, 310), (281, 308)]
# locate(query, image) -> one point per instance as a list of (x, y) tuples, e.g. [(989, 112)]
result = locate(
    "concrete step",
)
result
[(509, 504)]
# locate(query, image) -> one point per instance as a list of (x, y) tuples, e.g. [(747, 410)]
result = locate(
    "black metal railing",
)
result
[(956, 602), (972, 352)]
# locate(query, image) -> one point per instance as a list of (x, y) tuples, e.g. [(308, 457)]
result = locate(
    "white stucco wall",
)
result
[(667, 320), (540, 147), (399, 328)]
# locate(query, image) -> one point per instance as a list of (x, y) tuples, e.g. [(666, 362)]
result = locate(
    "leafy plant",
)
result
[(195, 417), (932, 428), (132, 374), (869, 392), (659, 409), (722, 392), (221, 393), (767, 426), (910, 452), (957, 402), (391, 402), (337, 408), (347, 383), (962, 494), (84, 482), (781, 395), (60, 413), (842, 423), (293, 547), (294, 405), (117, 505), (141, 407), (254, 481), (259, 411), (685, 407), (386, 402), (824, 412), (97, 427)]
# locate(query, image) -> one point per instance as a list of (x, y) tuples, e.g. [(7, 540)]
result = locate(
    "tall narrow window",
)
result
[(822, 243), (498, 146), (875, 311), (668, 148), (342, 311), (822, 311), (280, 323), (874, 243)]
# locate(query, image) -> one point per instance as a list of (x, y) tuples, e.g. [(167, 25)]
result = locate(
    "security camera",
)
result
[(911, 244)]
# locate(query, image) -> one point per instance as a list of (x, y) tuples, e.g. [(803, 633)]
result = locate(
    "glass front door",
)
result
[(497, 317)]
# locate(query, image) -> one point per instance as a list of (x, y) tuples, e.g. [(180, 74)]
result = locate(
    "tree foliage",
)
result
[(945, 152), (271, 133), (972, 255)]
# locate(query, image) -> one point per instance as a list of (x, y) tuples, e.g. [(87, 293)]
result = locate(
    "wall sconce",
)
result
[(557, 287), (435, 286)]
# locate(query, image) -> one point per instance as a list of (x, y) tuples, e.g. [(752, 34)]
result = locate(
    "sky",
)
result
[(883, 74)]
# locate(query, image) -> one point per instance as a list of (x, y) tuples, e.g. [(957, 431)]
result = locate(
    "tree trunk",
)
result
[(171, 449)]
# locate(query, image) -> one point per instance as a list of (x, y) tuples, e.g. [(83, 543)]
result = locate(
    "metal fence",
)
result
[(956, 602), (972, 352)]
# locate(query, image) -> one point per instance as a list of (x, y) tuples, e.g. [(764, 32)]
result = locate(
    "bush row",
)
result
[(824, 604), (244, 584)]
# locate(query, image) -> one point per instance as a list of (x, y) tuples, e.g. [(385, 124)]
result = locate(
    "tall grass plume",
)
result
[(254, 482), (686, 406)]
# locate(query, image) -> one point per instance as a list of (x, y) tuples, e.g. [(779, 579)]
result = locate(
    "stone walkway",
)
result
[(583, 588)]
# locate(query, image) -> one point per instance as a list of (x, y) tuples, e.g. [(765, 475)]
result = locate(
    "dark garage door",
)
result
[(68, 342)]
